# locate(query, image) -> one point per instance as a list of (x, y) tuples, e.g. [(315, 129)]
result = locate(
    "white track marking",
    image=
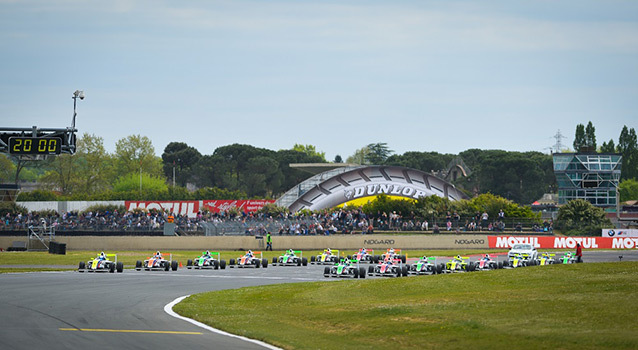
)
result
[(169, 310)]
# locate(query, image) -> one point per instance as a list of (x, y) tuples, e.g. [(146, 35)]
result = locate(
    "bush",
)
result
[(579, 217)]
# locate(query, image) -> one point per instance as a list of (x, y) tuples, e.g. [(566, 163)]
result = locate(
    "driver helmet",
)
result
[(290, 251), (250, 252), (363, 250), (207, 253), (102, 255), (458, 257), (487, 256), (328, 251), (391, 250), (158, 254)]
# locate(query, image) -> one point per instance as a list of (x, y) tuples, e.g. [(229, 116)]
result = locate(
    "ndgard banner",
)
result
[(551, 242)]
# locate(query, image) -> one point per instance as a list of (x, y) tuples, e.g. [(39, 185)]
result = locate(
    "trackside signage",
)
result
[(620, 233), (190, 208), (564, 242)]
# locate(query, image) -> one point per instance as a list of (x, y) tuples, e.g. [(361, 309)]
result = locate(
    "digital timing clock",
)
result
[(35, 145)]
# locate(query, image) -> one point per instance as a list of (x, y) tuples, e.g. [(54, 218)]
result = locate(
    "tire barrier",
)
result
[(57, 248)]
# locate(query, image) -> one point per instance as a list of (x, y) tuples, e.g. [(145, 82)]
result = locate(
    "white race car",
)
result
[(526, 250)]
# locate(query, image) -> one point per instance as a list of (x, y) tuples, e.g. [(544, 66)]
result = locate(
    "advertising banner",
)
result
[(247, 206), (189, 208), (551, 242), (620, 233)]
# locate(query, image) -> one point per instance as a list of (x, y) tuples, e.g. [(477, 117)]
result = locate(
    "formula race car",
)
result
[(208, 260), (458, 264), (327, 257), (568, 258), (101, 264), (389, 268), (249, 260), (345, 268), (545, 259), (157, 262), (290, 259), (487, 263), (425, 266), (365, 255), (393, 254), (517, 260)]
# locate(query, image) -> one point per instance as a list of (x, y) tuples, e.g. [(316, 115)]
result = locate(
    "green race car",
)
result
[(290, 258)]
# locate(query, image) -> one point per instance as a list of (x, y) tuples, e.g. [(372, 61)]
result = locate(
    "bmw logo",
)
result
[(611, 233)]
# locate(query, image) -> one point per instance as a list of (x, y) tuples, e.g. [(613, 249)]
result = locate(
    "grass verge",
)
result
[(580, 306)]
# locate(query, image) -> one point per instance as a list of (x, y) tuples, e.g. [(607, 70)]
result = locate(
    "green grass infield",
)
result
[(580, 306)]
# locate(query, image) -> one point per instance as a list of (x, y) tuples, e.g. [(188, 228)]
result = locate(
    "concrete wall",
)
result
[(350, 242), (64, 206)]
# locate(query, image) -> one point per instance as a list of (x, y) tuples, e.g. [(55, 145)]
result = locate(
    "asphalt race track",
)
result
[(71, 310)]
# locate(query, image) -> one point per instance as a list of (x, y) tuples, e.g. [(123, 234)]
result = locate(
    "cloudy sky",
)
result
[(440, 76)]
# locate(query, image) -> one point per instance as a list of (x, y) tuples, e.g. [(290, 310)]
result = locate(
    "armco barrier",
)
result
[(279, 242), (551, 242)]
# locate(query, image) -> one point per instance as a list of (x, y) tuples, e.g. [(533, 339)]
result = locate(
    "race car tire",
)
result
[(257, 263), (231, 262), (500, 265), (355, 273), (304, 261), (506, 263), (312, 258), (362, 272), (215, 264), (403, 259), (112, 268), (298, 262), (376, 259), (439, 269), (398, 272), (81, 266), (138, 265), (189, 264), (119, 267), (264, 263), (274, 260), (174, 265), (222, 264), (326, 271), (404, 270), (349, 257), (470, 266), (167, 266), (370, 269)]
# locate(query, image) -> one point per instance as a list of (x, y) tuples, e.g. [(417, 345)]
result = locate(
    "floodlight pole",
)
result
[(76, 94)]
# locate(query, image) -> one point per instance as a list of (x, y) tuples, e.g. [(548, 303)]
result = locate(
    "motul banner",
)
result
[(191, 208), (551, 242), (247, 206)]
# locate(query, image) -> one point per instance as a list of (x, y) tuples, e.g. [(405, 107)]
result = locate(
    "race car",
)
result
[(249, 260), (517, 260), (394, 254), (327, 257), (157, 262), (487, 263), (527, 250), (365, 255), (208, 260), (101, 264), (568, 258), (345, 268), (290, 259), (458, 264), (545, 259), (425, 266), (388, 268)]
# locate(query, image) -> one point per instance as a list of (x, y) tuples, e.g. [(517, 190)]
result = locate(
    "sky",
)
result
[(442, 76)]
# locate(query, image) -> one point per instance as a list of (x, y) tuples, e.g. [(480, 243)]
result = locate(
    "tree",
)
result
[(94, 165), (311, 151), (338, 159), (7, 169), (579, 139), (183, 159), (62, 174), (136, 152), (608, 147), (360, 156), (590, 136), (378, 153), (131, 183), (628, 190), (628, 147), (579, 217)]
